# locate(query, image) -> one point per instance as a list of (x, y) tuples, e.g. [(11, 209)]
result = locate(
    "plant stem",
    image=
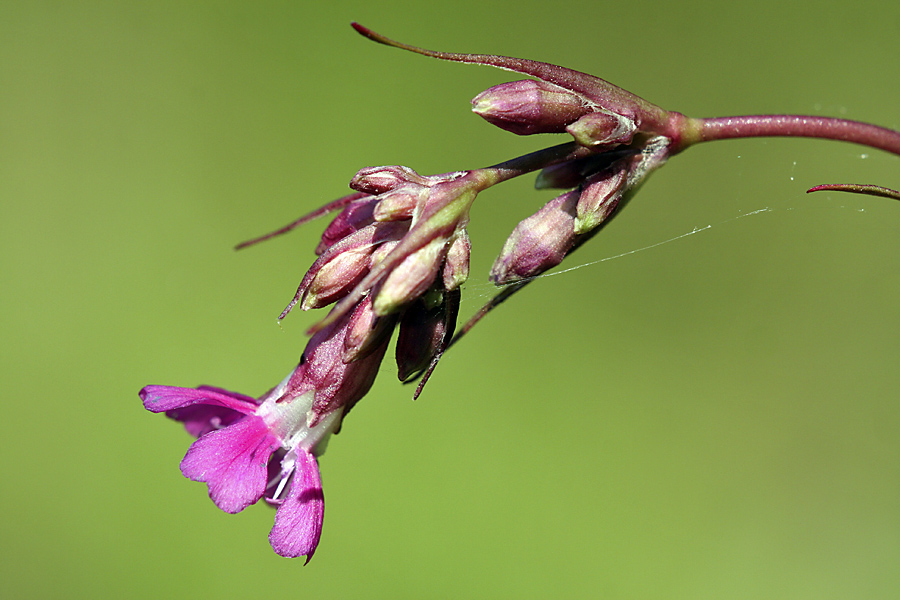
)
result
[(537, 160), (723, 128)]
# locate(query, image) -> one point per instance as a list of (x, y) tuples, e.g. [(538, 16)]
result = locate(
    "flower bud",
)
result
[(395, 279), (350, 220), (381, 252), (425, 330), (411, 278), (599, 197), (602, 128), (538, 243), (456, 265), (365, 332), (377, 180), (398, 204), (335, 277), (341, 267), (528, 106)]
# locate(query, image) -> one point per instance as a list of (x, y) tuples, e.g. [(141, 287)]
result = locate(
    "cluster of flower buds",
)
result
[(623, 139), (602, 184), (397, 253)]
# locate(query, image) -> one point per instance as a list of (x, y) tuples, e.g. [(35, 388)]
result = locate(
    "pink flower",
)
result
[(251, 449)]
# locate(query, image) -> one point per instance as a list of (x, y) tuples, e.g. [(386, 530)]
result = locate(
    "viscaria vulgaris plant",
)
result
[(397, 253)]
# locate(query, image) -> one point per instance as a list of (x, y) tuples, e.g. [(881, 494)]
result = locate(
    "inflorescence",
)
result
[(397, 253)]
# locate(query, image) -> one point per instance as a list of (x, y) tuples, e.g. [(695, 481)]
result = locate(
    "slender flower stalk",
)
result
[(397, 253)]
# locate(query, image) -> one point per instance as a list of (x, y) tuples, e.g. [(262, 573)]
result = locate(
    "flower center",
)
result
[(287, 419)]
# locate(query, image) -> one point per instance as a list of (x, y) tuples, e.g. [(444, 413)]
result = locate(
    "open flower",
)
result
[(251, 449)]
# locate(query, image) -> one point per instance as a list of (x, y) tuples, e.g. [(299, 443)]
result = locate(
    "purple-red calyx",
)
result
[(397, 253)]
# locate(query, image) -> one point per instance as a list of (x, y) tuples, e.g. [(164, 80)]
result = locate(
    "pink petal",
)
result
[(244, 397), (298, 522), (232, 461), (200, 419), (160, 398)]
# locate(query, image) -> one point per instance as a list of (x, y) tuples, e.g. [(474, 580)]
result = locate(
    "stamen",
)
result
[(287, 469)]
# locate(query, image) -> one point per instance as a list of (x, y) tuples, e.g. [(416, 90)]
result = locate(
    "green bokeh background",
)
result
[(714, 417)]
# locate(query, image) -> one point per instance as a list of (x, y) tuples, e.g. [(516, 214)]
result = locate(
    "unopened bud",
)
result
[(599, 197), (456, 265), (425, 330), (399, 204), (538, 243), (365, 332), (381, 252), (350, 220), (341, 267), (335, 278), (602, 128), (411, 278), (377, 180), (527, 106)]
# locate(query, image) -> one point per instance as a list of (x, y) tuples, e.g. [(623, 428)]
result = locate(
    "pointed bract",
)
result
[(648, 117)]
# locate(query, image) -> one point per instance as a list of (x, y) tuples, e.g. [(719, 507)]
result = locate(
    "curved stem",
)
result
[(857, 188), (539, 159), (723, 128)]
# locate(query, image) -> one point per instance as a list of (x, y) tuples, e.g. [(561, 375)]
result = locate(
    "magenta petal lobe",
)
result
[(298, 522), (232, 462), (160, 398), (200, 419)]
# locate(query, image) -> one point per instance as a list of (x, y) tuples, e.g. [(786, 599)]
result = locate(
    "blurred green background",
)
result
[(714, 417)]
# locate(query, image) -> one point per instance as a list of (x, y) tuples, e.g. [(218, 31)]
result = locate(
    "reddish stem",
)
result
[(723, 128), (857, 188), (324, 210)]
